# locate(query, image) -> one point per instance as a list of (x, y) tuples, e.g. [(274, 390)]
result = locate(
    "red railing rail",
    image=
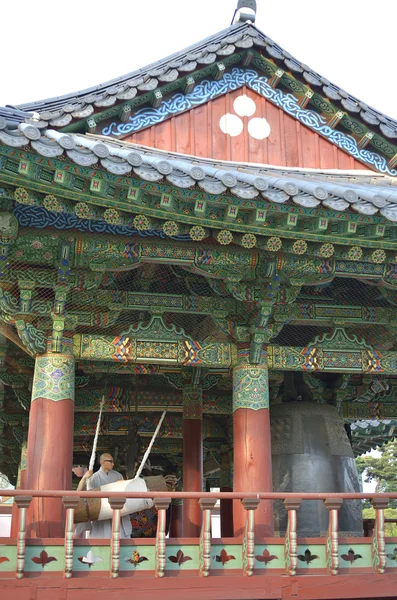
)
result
[(198, 495)]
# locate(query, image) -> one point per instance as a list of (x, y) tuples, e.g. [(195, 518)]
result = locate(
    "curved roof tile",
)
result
[(233, 39), (364, 192)]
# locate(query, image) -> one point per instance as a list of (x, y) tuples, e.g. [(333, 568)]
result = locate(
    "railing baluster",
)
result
[(290, 545), (70, 504), (332, 548), (207, 504), (378, 536), (116, 504), (161, 504), (250, 505), (23, 503)]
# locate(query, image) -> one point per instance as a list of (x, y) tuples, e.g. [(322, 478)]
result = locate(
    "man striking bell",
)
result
[(106, 474)]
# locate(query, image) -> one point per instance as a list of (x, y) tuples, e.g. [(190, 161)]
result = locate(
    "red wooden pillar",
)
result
[(50, 442), (176, 526), (226, 485), (192, 457), (252, 444)]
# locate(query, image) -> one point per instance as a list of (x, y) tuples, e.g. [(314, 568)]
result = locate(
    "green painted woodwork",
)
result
[(362, 550), (44, 558), (92, 558), (269, 557), (126, 400), (335, 353), (54, 377), (117, 425), (140, 349), (188, 561), (8, 558), (315, 560), (193, 402), (354, 556), (233, 555), (133, 558), (250, 386), (325, 313), (306, 221)]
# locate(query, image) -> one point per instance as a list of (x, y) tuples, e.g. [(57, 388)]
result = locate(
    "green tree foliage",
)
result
[(382, 470), (390, 513)]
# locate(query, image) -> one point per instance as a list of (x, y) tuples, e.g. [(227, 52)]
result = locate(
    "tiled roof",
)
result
[(364, 192), (10, 117), (60, 111)]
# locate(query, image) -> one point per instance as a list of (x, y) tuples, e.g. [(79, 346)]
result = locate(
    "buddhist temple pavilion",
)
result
[(205, 249)]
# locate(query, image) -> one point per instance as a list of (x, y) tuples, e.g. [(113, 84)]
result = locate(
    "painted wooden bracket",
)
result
[(161, 504), (116, 504), (70, 503), (206, 504), (250, 505), (290, 544), (378, 537), (332, 547), (23, 503)]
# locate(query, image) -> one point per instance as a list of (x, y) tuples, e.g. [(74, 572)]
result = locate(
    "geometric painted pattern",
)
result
[(54, 377)]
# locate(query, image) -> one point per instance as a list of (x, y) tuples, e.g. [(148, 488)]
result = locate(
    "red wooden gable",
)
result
[(287, 143)]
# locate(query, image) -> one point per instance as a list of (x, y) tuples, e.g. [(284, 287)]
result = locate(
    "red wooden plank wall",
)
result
[(289, 144)]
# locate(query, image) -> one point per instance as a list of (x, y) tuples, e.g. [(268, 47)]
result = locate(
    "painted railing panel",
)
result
[(203, 556), (269, 557), (226, 557), (311, 557), (354, 556)]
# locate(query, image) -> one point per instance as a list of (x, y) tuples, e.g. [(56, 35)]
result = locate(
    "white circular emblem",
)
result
[(231, 124), (259, 128), (244, 106)]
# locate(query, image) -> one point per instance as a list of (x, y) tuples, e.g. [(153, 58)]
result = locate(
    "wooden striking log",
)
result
[(98, 509)]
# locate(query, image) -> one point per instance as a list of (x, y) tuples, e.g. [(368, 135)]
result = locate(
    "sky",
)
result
[(51, 48)]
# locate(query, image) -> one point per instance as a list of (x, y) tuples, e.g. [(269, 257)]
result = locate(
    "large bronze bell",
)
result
[(312, 453)]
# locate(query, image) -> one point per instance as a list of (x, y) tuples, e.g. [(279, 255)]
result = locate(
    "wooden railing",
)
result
[(293, 555)]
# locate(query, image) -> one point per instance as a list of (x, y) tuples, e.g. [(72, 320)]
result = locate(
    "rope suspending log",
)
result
[(146, 455), (98, 425)]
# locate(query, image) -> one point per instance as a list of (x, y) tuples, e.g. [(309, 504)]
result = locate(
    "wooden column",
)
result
[(50, 442), (226, 485), (192, 457), (252, 444), (176, 526)]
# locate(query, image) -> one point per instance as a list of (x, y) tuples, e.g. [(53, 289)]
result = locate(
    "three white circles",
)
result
[(232, 124)]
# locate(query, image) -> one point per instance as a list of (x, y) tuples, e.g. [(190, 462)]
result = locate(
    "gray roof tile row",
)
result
[(364, 192), (60, 111)]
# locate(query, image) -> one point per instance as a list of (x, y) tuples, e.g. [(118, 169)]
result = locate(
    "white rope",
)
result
[(146, 455), (92, 459)]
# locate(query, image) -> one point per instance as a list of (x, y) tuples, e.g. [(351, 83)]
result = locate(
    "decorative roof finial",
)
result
[(245, 11)]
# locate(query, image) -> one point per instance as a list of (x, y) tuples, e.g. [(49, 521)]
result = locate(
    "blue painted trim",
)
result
[(40, 218), (208, 90)]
